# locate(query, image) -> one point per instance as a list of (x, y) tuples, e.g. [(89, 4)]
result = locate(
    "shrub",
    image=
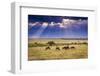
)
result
[(51, 43)]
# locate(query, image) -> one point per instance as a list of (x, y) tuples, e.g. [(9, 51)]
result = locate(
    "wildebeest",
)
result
[(47, 48), (65, 47), (72, 47), (57, 48)]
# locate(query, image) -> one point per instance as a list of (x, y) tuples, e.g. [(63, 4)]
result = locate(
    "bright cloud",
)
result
[(44, 24), (33, 23), (65, 21), (68, 21), (52, 24)]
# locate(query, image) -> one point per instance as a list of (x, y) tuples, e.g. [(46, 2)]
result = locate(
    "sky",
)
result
[(47, 26)]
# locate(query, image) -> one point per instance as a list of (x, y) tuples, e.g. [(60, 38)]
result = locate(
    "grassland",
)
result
[(37, 49)]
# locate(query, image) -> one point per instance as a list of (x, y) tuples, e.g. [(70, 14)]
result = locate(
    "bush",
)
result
[(51, 43), (84, 43)]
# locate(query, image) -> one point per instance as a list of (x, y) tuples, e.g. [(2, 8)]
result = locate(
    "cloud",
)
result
[(52, 24), (33, 24), (73, 23), (66, 23), (82, 22), (45, 24)]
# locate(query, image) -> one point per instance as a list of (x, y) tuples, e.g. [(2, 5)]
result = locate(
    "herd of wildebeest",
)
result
[(63, 48)]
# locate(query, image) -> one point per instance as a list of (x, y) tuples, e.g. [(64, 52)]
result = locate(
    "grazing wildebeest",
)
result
[(72, 47), (57, 48), (65, 47), (47, 48)]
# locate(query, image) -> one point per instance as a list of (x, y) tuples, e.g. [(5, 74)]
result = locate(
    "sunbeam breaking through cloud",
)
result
[(40, 26)]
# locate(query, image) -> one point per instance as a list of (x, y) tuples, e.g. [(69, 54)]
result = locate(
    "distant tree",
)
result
[(51, 43), (35, 43)]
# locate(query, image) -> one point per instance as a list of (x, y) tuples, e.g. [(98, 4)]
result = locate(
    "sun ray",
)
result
[(40, 30)]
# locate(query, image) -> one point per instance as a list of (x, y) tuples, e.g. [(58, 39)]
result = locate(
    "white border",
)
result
[(19, 34)]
